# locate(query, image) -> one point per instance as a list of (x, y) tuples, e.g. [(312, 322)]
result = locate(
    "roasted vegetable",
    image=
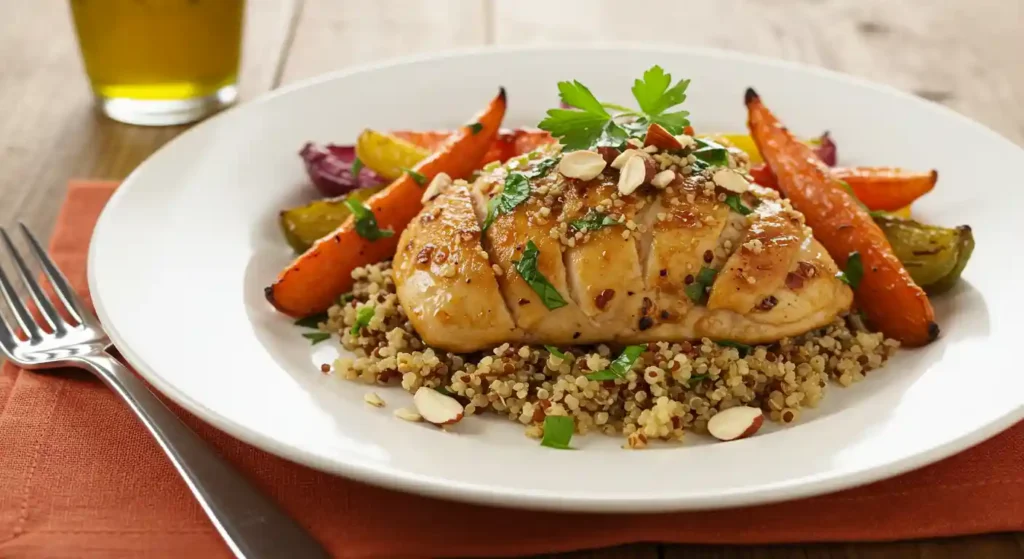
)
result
[(387, 155), (887, 292), (823, 146), (507, 144), (880, 188), (307, 224), (934, 256), (331, 167), (314, 280)]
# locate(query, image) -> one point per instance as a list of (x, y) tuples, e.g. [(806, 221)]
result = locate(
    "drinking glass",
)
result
[(160, 62)]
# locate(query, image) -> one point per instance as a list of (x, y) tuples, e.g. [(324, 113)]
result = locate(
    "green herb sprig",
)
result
[(593, 221), (363, 317), (516, 191), (558, 430), (737, 205), (854, 271), (527, 268), (622, 364), (696, 290), (366, 222)]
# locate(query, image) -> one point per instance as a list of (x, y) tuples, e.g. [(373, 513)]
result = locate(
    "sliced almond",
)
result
[(632, 175), (440, 183), (437, 408), (373, 399), (660, 138), (623, 157), (731, 181), (735, 423), (407, 414), (685, 141), (662, 179), (584, 165)]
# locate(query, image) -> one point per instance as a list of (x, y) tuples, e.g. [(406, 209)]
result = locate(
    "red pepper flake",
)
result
[(325, 368), (806, 269), (768, 303), (688, 279), (645, 323), (794, 281), (524, 301), (424, 256), (708, 256), (602, 299), (663, 273)]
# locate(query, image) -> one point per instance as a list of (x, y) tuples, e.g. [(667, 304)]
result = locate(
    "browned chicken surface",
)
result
[(550, 250)]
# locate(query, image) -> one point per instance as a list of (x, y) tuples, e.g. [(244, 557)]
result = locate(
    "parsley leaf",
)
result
[(527, 268), (312, 321), (366, 222), (346, 298), (575, 130), (696, 290), (854, 271), (696, 379), (542, 168), (363, 317), (316, 337), (736, 203), (711, 154), (744, 349), (475, 128), (654, 95), (558, 430), (516, 191), (706, 275), (420, 178), (622, 364), (554, 351), (593, 221), (357, 165), (577, 95)]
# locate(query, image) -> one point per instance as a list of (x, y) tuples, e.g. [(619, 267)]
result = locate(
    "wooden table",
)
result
[(964, 55)]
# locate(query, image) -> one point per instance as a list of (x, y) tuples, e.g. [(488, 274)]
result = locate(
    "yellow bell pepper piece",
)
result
[(387, 155)]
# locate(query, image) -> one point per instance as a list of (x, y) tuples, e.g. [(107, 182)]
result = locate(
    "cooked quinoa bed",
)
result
[(672, 387)]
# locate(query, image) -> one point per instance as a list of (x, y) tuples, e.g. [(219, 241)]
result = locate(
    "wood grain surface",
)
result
[(963, 54)]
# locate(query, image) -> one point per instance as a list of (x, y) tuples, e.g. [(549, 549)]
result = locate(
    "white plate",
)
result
[(182, 253)]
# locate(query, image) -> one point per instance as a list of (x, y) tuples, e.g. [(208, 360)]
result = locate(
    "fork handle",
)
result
[(249, 522)]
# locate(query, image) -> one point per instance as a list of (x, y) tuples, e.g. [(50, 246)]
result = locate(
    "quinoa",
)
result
[(672, 388)]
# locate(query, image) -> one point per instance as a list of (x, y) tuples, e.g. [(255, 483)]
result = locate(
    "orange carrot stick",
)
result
[(508, 143), (880, 188), (891, 299), (314, 280)]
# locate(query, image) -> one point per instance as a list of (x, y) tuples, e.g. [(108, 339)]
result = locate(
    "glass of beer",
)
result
[(160, 62)]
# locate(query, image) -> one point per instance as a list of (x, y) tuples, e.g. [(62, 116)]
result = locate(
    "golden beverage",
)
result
[(160, 61)]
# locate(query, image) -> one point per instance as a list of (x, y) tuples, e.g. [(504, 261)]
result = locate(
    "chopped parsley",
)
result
[(854, 271), (316, 337), (346, 298), (476, 127), (622, 364), (420, 178), (543, 167), (744, 349), (366, 222), (516, 191), (527, 268), (363, 317), (444, 390), (696, 290), (558, 430), (312, 321), (696, 379), (710, 154), (357, 165), (737, 205), (593, 221), (587, 123), (554, 351)]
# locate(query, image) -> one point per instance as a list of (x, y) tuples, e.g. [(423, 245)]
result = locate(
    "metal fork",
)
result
[(251, 525)]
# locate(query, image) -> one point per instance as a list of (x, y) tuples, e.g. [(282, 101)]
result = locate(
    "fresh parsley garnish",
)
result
[(346, 298), (695, 379), (357, 165), (696, 290), (737, 205), (622, 364), (554, 351), (418, 177), (316, 337), (363, 317), (744, 349), (312, 321), (593, 221), (854, 271), (366, 222), (516, 191), (589, 124), (710, 154), (476, 127), (542, 168), (527, 268), (558, 430), (444, 390)]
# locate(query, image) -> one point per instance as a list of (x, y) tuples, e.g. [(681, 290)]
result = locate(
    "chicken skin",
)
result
[(534, 252)]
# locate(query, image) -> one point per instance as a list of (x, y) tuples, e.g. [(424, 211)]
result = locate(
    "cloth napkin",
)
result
[(80, 477)]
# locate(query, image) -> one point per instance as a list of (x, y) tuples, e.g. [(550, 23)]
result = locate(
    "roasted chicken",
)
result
[(617, 252)]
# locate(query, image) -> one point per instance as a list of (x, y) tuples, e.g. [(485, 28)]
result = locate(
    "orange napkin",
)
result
[(79, 477)]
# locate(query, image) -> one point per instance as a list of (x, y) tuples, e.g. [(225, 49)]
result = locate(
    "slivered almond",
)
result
[(437, 408), (407, 414), (685, 140), (632, 175), (662, 179), (660, 138), (584, 165), (440, 183), (731, 181), (735, 423), (373, 399), (624, 157)]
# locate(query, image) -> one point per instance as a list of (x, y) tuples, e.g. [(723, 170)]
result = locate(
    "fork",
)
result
[(250, 523)]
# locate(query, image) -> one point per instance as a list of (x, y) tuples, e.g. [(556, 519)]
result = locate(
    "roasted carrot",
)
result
[(508, 143), (880, 188), (314, 280), (886, 292)]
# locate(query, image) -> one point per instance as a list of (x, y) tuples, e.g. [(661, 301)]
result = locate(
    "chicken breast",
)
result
[(528, 254)]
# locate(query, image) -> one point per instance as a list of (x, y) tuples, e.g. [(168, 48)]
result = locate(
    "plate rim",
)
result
[(400, 480)]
